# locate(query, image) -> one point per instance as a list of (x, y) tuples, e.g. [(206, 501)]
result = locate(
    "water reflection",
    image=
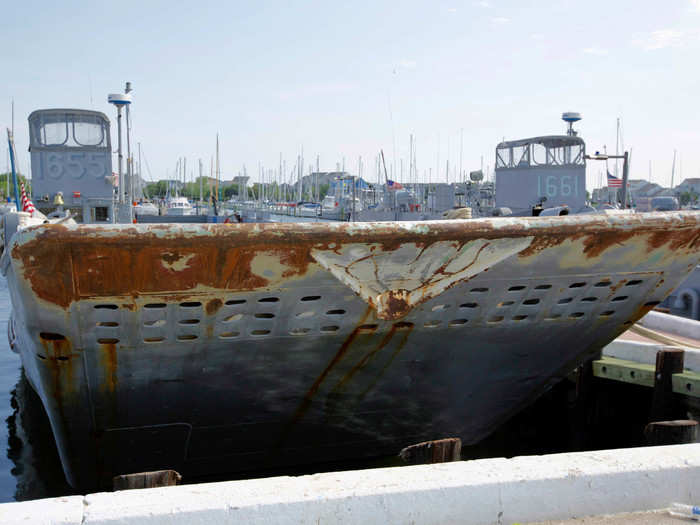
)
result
[(31, 448)]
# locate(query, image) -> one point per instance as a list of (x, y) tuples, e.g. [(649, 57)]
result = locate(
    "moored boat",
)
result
[(179, 206), (212, 347)]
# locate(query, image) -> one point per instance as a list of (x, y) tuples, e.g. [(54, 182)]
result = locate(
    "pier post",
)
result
[(665, 405), (437, 451), (146, 480), (676, 432)]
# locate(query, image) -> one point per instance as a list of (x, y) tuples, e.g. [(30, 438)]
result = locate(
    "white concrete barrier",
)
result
[(672, 324), (472, 492), (59, 511), (645, 353)]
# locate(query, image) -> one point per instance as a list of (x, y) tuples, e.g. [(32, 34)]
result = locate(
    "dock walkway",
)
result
[(499, 491)]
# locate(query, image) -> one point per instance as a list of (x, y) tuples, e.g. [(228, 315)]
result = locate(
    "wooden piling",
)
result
[(146, 480), (665, 405), (437, 451), (671, 432)]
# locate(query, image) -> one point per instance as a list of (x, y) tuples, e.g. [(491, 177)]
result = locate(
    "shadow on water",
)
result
[(32, 449)]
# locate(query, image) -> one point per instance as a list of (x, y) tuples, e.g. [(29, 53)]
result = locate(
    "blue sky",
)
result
[(344, 80)]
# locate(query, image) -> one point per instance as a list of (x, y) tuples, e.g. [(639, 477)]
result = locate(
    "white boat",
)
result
[(179, 206), (7, 207), (146, 208)]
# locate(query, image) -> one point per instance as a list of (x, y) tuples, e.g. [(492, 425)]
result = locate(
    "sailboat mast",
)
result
[(140, 179), (673, 168), (211, 176), (617, 143), (218, 196), (200, 180), (461, 151)]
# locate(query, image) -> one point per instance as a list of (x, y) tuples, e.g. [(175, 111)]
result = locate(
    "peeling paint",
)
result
[(394, 282), (393, 266), (175, 263)]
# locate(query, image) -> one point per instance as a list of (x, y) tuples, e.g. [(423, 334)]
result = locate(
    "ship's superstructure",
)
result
[(71, 159), (542, 172)]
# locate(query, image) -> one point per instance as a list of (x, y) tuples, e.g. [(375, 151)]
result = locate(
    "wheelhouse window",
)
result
[(88, 130), (69, 130), (545, 151), (53, 131)]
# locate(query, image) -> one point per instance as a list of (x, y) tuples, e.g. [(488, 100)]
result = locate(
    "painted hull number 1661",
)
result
[(558, 186)]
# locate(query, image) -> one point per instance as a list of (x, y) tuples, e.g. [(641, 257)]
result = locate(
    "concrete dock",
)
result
[(498, 491)]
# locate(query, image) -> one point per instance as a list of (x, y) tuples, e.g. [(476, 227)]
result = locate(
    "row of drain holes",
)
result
[(265, 315), (197, 304), (308, 298), (335, 328), (234, 317), (365, 328), (372, 327)]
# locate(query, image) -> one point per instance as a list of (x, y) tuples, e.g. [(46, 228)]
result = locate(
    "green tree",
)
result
[(4, 177), (323, 190)]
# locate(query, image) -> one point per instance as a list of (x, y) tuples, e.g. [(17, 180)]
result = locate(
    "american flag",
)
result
[(390, 184), (614, 182), (27, 205)]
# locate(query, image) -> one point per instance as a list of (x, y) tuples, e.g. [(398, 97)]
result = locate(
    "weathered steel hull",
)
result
[(219, 347)]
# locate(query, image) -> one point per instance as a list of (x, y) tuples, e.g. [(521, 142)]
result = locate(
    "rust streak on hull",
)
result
[(309, 396), (365, 359), (109, 360)]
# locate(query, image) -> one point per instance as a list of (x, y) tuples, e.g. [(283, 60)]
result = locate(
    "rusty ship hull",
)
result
[(222, 347)]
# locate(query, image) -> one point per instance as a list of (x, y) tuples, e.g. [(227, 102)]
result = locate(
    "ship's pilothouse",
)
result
[(542, 175), (71, 162)]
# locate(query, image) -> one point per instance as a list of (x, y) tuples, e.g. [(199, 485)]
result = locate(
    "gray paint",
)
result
[(250, 385), (528, 170), (70, 152)]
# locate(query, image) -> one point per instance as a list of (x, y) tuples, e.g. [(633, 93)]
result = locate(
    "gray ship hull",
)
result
[(209, 348)]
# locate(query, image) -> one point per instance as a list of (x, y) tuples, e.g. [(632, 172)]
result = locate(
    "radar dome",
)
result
[(570, 117), (476, 176)]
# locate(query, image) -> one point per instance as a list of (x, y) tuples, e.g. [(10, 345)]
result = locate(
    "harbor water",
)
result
[(29, 464), (9, 376)]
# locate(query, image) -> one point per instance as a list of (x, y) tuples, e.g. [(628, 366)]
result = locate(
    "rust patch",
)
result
[(59, 361), (63, 264), (57, 347), (395, 304), (540, 243), (615, 287), (297, 259), (109, 362), (596, 243), (213, 306), (676, 239)]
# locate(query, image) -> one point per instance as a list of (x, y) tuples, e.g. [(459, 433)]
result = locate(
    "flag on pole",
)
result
[(27, 205), (391, 185), (614, 182)]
